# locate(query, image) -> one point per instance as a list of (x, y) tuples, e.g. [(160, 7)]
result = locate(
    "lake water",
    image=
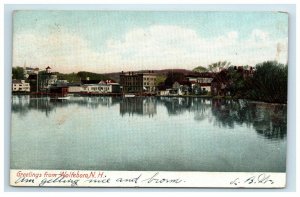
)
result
[(148, 133)]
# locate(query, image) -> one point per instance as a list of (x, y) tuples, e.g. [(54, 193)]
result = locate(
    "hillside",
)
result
[(82, 75), (116, 76)]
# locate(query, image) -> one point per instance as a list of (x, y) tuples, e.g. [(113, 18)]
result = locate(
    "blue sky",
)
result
[(109, 41)]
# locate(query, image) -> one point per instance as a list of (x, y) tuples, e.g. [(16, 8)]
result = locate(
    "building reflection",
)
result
[(94, 102), (23, 104), (268, 120), (176, 105), (138, 105), (199, 106)]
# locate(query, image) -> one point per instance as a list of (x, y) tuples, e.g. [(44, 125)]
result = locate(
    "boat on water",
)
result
[(60, 98), (129, 95)]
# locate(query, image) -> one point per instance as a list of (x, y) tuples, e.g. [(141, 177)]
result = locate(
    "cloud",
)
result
[(154, 47), (165, 46), (62, 50), (258, 35)]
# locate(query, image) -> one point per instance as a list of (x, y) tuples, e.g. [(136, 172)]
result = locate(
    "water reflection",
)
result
[(175, 105), (138, 105), (268, 120), (23, 104), (199, 106)]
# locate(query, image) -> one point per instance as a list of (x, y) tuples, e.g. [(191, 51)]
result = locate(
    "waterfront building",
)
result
[(107, 86), (41, 80), (202, 81), (29, 70), (180, 88), (74, 87), (58, 91), (165, 92), (220, 85), (95, 88), (138, 82), (20, 86)]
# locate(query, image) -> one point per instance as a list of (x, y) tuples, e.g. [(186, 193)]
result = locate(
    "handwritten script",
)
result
[(75, 179), (87, 178), (262, 178)]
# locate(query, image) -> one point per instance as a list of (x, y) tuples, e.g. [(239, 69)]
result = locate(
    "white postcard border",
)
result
[(291, 163)]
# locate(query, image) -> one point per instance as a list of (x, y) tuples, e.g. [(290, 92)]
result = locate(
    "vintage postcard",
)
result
[(149, 99)]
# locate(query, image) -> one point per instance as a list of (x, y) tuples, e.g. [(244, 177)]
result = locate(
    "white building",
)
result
[(204, 80), (96, 88), (74, 87), (205, 83), (101, 87), (20, 86)]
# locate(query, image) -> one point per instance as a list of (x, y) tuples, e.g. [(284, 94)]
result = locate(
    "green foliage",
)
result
[(17, 73), (215, 67), (269, 82), (92, 76), (200, 69), (70, 77), (172, 77), (237, 82), (160, 79), (269, 122)]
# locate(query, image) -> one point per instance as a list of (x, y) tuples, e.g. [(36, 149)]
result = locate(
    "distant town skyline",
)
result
[(114, 41)]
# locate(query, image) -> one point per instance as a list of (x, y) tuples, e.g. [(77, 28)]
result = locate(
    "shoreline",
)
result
[(44, 94)]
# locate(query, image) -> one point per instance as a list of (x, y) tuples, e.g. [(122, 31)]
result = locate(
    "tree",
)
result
[(173, 77), (200, 69), (237, 82), (18, 73), (215, 67), (160, 79), (269, 82)]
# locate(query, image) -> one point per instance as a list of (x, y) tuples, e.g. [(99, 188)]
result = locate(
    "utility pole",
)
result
[(37, 81)]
